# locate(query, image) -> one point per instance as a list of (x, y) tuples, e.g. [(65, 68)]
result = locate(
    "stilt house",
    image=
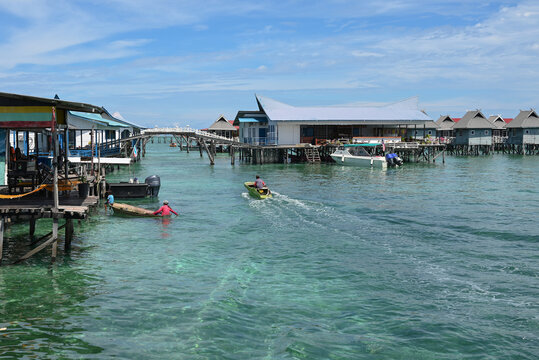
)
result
[(445, 127), (223, 127), (524, 129), (282, 124), (473, 129)]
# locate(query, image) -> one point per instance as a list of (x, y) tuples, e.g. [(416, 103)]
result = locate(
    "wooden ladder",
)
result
[(312, 155)]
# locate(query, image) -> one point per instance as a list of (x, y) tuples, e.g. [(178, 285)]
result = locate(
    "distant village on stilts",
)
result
[(55, 154)]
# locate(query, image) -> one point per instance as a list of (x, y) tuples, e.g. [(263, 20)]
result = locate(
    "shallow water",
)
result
[(421, 262)]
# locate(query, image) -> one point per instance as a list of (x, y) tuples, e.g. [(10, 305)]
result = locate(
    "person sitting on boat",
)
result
[(259, 183), (165, 210)]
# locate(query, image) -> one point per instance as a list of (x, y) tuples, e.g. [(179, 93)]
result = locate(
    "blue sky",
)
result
[(185, 62)]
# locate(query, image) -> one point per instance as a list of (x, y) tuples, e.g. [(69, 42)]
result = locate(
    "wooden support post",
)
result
[(189, 145), (54, 236), (200, 147), (32, 227), (208, 151), (213, 149), (1, 237), (36, 250), (68, 233), (144, 147), (232, 155)]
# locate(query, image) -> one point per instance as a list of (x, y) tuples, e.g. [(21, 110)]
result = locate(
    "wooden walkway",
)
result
[(33, 208), (261, 154)]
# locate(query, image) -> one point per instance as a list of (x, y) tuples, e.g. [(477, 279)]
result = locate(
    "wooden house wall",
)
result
[(473, 137)]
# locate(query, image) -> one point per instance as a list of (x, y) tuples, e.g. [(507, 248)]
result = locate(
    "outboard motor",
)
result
[(154, 183), (393, 160)]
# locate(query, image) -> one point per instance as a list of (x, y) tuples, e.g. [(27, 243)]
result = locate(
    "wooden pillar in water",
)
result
[(2, 220), (32, 227), (212, 149), (232, 155), (188, 144), (54, 235), (68, 233)]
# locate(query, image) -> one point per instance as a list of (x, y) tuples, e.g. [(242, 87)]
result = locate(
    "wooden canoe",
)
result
[(132, 210), (263, 193)]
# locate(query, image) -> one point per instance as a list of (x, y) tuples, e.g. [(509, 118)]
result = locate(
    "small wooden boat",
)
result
[(124, 190), (132, 210), (173, 144), (263, 193)]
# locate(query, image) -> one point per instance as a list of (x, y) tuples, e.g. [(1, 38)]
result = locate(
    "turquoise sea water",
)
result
[(421, 262)]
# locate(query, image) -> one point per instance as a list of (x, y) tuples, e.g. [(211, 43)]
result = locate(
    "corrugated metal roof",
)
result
[(222, 124), (402, 111), (525, 119), (497, 120), (445, 122), (474, 120), (99, 119), (248, 120)]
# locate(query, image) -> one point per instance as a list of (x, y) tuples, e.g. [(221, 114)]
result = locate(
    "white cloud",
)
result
[(359, 53)]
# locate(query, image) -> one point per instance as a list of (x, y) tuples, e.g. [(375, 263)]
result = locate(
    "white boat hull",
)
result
[(362, 161)]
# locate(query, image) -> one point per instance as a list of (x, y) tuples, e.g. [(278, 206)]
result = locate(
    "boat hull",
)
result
[(361, 161), (131, 210), (128, 190), (250, 186)]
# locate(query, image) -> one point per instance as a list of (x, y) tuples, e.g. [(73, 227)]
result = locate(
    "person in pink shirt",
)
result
[(165, 210)]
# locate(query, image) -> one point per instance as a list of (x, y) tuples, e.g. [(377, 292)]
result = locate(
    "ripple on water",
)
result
[(421, 262)]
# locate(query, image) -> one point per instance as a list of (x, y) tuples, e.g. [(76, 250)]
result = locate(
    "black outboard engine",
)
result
[(154, 183), (394, 160)]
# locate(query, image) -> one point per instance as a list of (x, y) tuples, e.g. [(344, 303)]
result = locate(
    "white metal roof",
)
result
[(402, 111)]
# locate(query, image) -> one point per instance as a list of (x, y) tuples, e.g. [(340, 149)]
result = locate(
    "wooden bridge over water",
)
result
[(260, 154)]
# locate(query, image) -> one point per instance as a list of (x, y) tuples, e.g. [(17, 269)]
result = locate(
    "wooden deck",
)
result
[(69, 207)]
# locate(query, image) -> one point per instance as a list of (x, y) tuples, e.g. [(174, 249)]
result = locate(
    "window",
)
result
[(472, 132), (527, 131), (486, 132), (430, 132)]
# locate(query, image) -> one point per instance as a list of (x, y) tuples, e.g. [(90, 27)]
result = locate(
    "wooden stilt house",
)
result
[(473, 129), (445, 130), (223, 127), (524, 129), (499, 133)]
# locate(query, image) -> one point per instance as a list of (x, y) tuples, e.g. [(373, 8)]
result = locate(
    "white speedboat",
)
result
[(357, 155)]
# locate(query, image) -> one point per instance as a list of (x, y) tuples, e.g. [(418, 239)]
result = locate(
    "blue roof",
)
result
[(114, 123), (86, 115), (99, 119), (248, 120)]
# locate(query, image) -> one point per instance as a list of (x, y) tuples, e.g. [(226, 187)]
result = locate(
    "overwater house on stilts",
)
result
[(223, 127), (523, 133), (321, 128), (38, 178), (499, 132), (445, 132), (473, 134)]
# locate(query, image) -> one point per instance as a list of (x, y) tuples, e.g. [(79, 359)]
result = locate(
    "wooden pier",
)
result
[(34, 208), (190, 139)]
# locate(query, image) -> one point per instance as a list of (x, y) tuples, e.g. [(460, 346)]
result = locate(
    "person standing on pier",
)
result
[(165, 210)]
